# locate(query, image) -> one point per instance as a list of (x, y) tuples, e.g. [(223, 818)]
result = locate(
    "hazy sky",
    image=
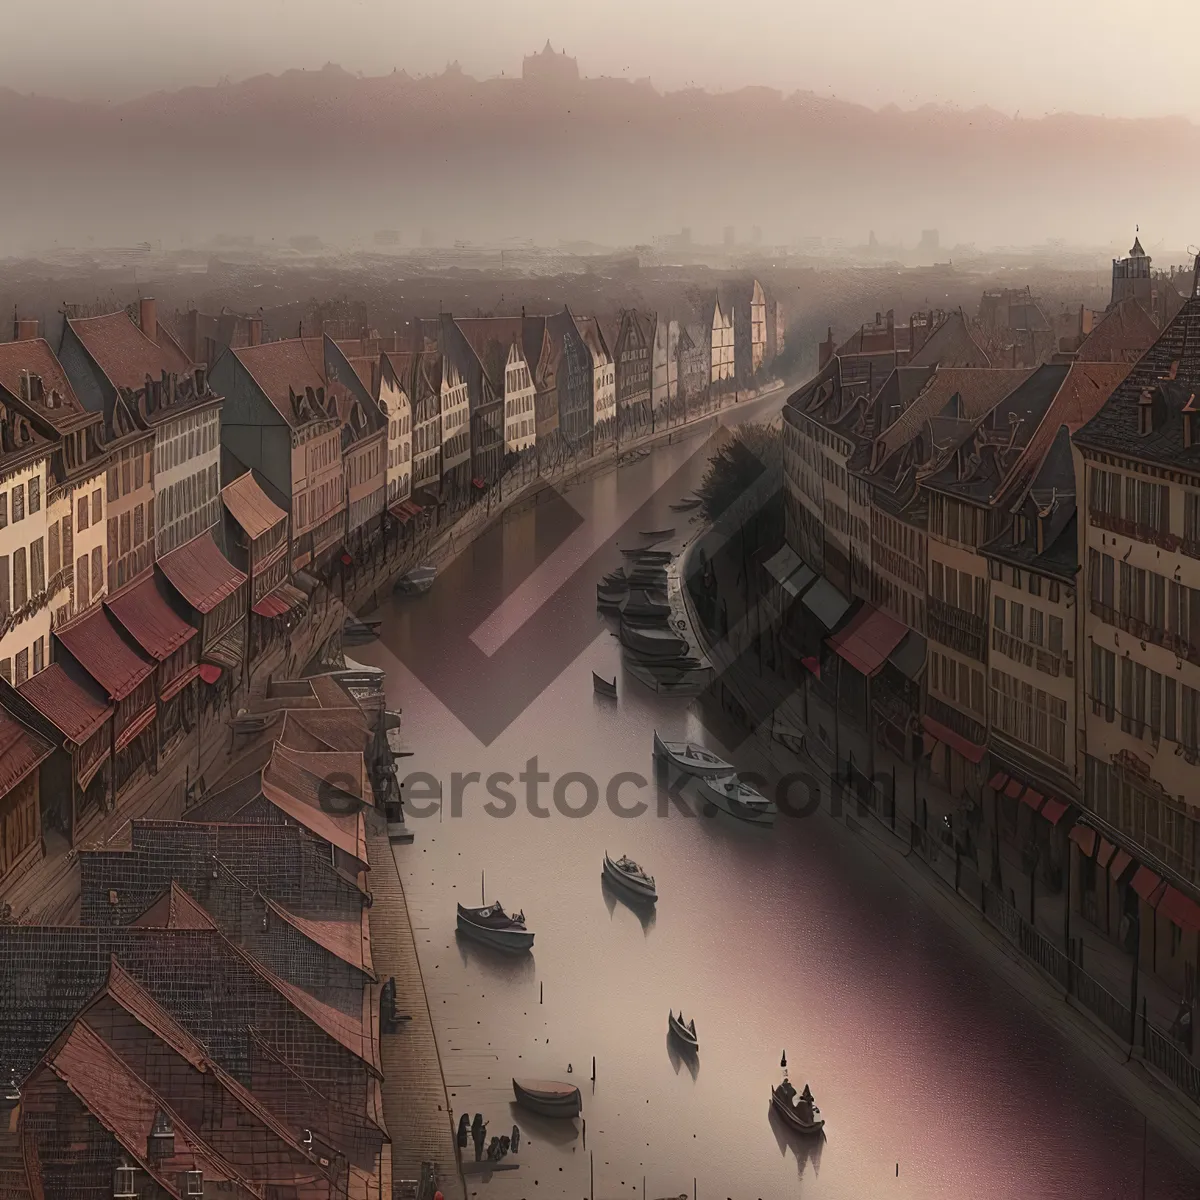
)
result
[(1099, 56)]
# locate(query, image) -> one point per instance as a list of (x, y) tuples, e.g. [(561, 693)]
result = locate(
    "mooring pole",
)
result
[(482, 888)]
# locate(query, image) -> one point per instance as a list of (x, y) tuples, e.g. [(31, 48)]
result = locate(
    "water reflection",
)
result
[(682, 1058), (805, 1149), (512, 965)]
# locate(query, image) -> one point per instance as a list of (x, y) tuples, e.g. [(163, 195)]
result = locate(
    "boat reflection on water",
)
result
[(679, 1059), (644, 910), (501, 964), (805, 1148)]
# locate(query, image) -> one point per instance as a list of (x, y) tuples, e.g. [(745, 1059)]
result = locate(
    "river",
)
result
[(936, 1079)]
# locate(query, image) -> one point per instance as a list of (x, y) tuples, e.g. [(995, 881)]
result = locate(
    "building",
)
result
[(395, 381), (722, 348), (550, 69), (204, 338), (1131, 278), (664, 368), (748, 305), (694, 367), (1138, 464), (166, 394), (504, 422), (427, 424), (22, 752), (573, 379), (632, 345), (282, 418), (459, 371), (604, 378), (541, 353)]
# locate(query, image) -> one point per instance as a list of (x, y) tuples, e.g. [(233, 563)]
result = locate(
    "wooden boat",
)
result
[(609, 597), (356, 630), (641, 603), (548, 1098), (657, 533), (418, 580), (491, 924), (801, 1114), (649, 557), (617, 581), (686, 505), (603, 687), (691, 758), (625, 872), (653, 642), (738, 799), (685, 1035)]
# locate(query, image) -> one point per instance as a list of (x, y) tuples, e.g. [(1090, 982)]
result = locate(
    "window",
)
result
[(54, 550), (22, 666), (82, 522), (1104, 667), (1055, 590), (1017, 626), (125, 489), (1055, 644), (5, 598), (35, 494), (139, 524), (114, 491), (81, 582), (39, 655), (37, 567), (1035, 625), (18, 503), (124, 525), (999, 607), (3, 510), (97, 570), (1155, 680), (6, 669), (1168, 707), (20, 579), (97, 507)]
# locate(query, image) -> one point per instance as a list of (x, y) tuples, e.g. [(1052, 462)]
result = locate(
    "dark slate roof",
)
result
[(1167, 376), (950, 345)]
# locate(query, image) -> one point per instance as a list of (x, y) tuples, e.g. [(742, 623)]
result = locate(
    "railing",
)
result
[(956, 719), (1142, 533), (1145, 632), (1164, 1055), (1030, 655), (958, 629), (1102, 1003)]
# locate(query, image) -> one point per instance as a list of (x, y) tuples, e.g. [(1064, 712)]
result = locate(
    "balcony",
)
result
[(1030, 655), (958, 629), (1144, 632), (954, 718), (1161, 538)]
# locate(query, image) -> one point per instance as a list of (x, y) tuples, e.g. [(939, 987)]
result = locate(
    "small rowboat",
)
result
[(642, 603), (602, 687), (609, 597), (691, 758), (685, 505), (630, 876), (685, 1035), (657, 533), (653, 643), (491, 924), (418, 580), (801, 1114), (649, 557), (738, 799), (548, 1098)]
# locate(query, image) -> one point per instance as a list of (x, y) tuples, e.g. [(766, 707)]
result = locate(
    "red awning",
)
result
[(813, 665), (346, 559), (1054, 810), (77, 710), (1104, 852), (21, 751), (209, 673), (180, 681), (998, 781), (1032, 798), (1177, 907), (200, 573), (405, 510), (479, 483), (868, 639), (96, 643), (969, 751), (147, 617), (1146, 883), (1085, 838), (1119, 865), (136, 726), (1013, 788)]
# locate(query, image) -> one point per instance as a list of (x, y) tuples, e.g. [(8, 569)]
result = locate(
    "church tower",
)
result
[(1131, 278)]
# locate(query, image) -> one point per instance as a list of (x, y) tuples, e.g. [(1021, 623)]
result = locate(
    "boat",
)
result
[(649, 557), (801, 1114), (641, 603), (418, 580), (652, 642), (356, 630), (691, 758), (686, 505), (617, 581), (548, 1098), (685, 1035), (609, 597), (657, 533), (738, 799), (630, 876), (493, 925), (603, 687)]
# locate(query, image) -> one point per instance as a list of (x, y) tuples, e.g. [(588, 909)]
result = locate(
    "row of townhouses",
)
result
[(166, 513), (996, 570)]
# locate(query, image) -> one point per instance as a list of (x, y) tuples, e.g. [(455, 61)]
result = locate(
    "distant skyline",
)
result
[(1027, 56)]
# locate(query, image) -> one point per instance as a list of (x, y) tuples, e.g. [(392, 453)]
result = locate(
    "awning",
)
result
[(200, 573), (146, 616), (1054, 810), (405, 510), (1013, 788), (795, 584), (1032, 798), (96, 642), (782, 563), (956, 741), (1104, 853), (868, 639), (909, 657), (479, 483), (825, 602), (811, 664), (1084, 836), (997, 781), (250, 506), (226, 651), (75, 708), (1177, 907), (209, 673), (136, 726), (283, 599), (180, 682), (1146, 883), (21, 751), (1120, 863)]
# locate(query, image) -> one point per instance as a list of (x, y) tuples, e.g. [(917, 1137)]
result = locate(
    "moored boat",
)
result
[(640, 602), (685, 1034), (657, 533), (691, 758), (652, 642), (603, 687), (685, 505), (609, 597), (418, 580), (738, 799), (799, 1112), (491, 924), (548, 1098), (625, 872)]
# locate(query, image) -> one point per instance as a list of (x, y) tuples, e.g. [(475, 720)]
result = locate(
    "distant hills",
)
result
[(338, 155)]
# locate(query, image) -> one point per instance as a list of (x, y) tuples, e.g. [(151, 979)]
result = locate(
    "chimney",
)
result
[(25, 329), (255, 325), (148, 316)]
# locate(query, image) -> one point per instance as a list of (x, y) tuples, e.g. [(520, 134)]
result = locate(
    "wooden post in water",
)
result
[(482, 888), (592, 1175), (593, 1068), (542, 992)]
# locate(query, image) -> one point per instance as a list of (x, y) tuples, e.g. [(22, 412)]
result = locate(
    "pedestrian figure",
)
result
[(516, 1139), (478, 1134), (463, 1129)]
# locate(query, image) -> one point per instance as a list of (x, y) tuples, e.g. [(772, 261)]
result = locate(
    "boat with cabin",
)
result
[(628, 875), (799, 1112), (738, 799), (491, 924), (417, 581), (691, 758)]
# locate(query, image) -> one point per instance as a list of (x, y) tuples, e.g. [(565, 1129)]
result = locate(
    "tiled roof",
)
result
[(200, 573), (348, 940), (68, 700), (347, 1030), (950, 345), (250, 506), (149, 619), (35, 356), (281, 368), (490, 339), (594, 339), (1122, 335), (21, 751), (124, 353), (95, 641), (125, 991), (174, 909)]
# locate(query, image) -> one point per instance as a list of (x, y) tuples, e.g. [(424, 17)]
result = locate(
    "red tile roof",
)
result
[(1123, 334), (35, 356), (75, 707), (149, 619), (124, 353), (250, 506), (281, 368), (348, 940), (201, 574), (174, 909), (491, 338), (21, 751), (96, 642)]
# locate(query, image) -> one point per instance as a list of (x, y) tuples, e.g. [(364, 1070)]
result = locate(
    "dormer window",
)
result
[(1145, 413)]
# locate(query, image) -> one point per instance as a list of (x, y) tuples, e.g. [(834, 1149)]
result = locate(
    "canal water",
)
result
[(936, 1080)]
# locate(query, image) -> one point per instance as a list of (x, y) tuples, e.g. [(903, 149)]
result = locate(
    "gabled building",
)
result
[(459, 370), (1122, 335), (395, 384), (632, 347), (604, 378), (721, 345), (542, 354), (427, 424), (664, 367), (166, 394), (694, 367), (205, 337), (748, 303), (283, 419), (573, 378), (496, 343)]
